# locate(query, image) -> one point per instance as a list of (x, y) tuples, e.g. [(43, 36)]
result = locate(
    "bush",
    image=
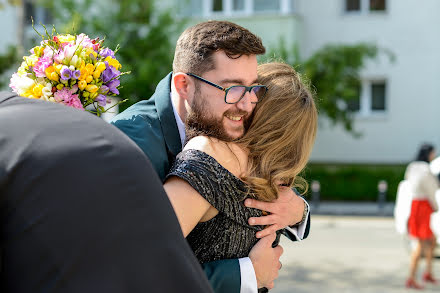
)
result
[(354, 182)]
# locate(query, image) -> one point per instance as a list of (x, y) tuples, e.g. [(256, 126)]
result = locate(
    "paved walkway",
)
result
[(348, 254)]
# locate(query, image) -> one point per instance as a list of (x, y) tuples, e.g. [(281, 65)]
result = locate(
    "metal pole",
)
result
[(382, 188), (316, 188)]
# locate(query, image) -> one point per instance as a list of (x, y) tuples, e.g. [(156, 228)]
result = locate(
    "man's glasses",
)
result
[(235, 93)]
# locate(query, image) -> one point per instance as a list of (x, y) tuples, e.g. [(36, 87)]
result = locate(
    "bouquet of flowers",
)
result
[(73, 70)]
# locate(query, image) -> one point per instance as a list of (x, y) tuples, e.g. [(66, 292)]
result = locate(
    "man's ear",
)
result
[(184, 86)]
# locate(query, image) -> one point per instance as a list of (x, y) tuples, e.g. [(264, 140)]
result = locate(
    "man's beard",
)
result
[(200, 122)]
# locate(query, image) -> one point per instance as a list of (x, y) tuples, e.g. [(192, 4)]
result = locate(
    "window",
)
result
[(263, 5), (365, 6), (371, 100), (39, 14), (207, 8), (238, 5), (190, 7), (217, 5), (352, 5), (378, 96), (377, 5)]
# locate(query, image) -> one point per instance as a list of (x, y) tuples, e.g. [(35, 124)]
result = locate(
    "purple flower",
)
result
[(76, 74), (66, 73), (109, 73), (107, 52), (112, 86), (104, 89), (102, 100)]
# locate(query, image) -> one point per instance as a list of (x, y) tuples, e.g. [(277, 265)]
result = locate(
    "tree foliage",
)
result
[(8, 60), (333, 72), (145, 35)]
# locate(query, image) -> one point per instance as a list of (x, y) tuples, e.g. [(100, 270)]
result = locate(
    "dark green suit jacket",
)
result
[(152, 126)]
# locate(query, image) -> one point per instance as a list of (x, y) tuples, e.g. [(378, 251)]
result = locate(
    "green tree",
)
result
[(145, 34), (333, 71)]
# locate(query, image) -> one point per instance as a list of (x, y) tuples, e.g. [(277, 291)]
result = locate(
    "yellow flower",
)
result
[(66, 38), (113, 62), (54, 76), (83, 74), (49, 70), (30, 60), (22, 69), (58, 68), (37, 90), (89, 78), (91, 51), (38, 51), (94, 95), (91, 88), (60, 86), (90, 68), (100, 66), (26, 94), (82, 84), (96, 74)]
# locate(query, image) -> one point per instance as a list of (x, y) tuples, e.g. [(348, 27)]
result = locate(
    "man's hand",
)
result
[(285, 211), (266, 261)]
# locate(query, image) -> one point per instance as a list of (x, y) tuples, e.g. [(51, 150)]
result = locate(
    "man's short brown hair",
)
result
[(197, 44)]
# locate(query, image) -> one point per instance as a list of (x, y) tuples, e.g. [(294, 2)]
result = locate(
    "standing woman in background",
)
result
[(423, 185)]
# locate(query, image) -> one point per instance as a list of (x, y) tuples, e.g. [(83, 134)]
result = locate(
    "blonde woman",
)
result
[(211, 178)]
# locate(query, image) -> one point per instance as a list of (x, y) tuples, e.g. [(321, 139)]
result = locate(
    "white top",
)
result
[(422, 184)]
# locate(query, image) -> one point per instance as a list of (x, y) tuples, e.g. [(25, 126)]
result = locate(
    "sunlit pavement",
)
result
[(348, 254)]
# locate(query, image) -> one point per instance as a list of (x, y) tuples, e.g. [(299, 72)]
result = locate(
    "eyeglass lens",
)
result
[(237, 92)]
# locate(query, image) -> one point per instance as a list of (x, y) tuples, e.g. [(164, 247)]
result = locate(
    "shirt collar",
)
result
[(180, 124)]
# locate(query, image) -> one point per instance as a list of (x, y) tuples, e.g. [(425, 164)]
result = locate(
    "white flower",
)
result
[(73, 62), (47, 92), (21, 84)]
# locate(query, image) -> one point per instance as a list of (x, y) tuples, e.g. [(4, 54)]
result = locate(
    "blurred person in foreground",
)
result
[(213, 176), (422, 185), (82, 209), (213, 59)]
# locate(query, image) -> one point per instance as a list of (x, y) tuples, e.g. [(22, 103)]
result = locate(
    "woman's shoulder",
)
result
[(417, 169), (229, 155)]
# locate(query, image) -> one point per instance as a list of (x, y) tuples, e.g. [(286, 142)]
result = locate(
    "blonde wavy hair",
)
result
[(281, 133)]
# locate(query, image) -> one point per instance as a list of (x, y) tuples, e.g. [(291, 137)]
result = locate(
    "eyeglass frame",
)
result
[(226, 90)]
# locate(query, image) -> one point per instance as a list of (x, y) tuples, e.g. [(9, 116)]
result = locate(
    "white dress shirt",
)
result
[(247, 272)]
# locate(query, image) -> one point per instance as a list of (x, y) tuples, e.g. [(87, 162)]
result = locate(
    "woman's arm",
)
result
[(189, 206)]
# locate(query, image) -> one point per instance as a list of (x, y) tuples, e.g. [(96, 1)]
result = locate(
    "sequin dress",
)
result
[(227, 235)]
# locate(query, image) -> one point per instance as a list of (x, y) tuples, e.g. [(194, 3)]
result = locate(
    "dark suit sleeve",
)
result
[(223, 275), (144, 129)]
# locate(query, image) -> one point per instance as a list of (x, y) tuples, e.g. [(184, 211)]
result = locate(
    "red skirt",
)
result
[(420, 220)]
